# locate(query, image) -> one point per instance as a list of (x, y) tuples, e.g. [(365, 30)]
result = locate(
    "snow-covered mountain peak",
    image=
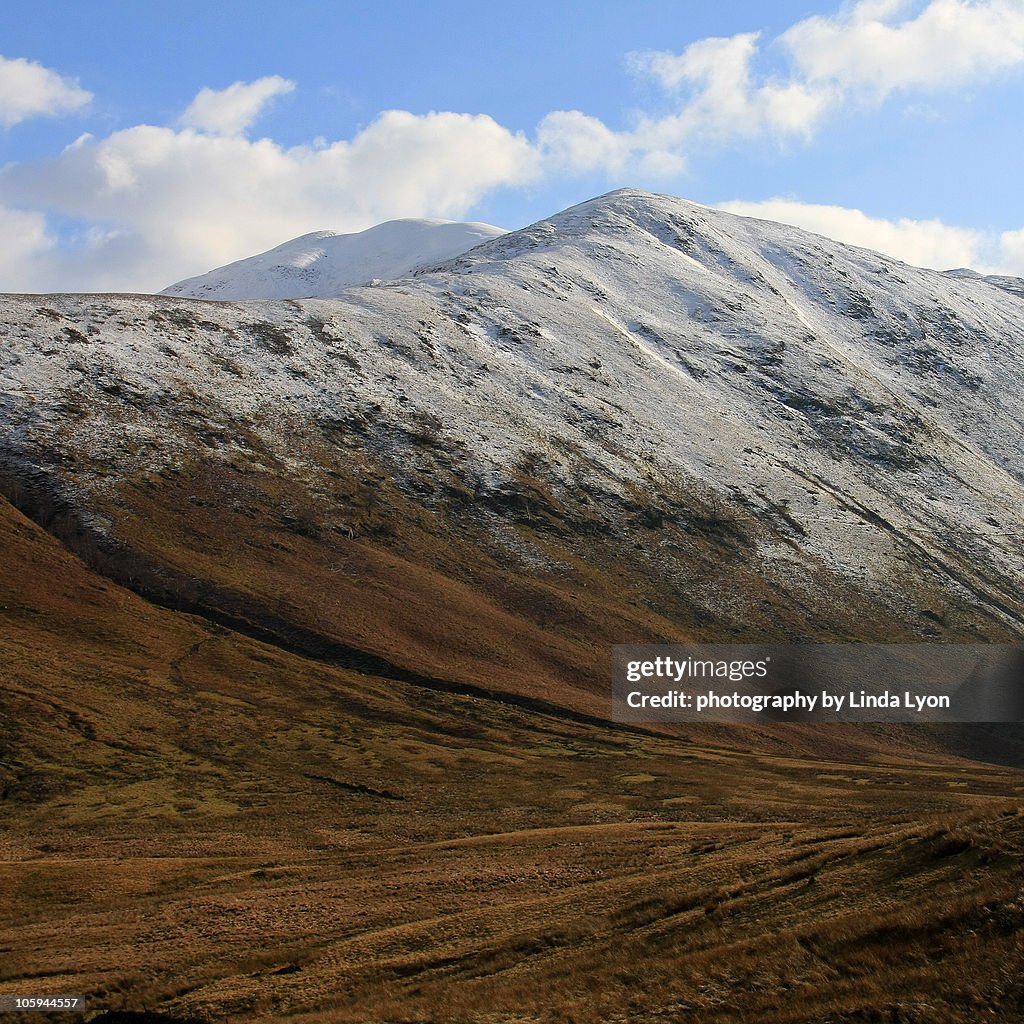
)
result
[(323, 263)]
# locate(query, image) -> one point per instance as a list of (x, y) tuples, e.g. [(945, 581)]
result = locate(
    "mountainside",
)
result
[(1014, 285), (307, 617), (323, 263), (739, 427)]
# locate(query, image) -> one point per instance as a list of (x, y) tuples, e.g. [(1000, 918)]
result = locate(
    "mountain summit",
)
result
[(323, 263)]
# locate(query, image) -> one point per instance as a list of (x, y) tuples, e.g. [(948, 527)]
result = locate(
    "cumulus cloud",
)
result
[(230, 111), (170, 203), (720, 96), (573, 141), (27, 89), (923, 243), (864, 54), (948, 42), (28, 249), (718, 70), (1011, 247)]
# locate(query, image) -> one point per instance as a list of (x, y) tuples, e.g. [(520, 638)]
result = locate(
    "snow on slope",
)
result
[(1014, 285), (323, 263), (868, 413)]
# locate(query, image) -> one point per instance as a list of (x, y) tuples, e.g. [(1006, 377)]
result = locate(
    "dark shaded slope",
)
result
[(429, 598)]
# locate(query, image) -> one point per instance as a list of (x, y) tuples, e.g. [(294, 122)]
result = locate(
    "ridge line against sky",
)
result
[(833, 107)]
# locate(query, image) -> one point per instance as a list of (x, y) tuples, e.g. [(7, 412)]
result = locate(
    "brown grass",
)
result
[(207, 824)]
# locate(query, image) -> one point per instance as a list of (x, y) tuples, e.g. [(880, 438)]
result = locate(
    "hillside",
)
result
[(307, 613), (639, 419), (206, 825)]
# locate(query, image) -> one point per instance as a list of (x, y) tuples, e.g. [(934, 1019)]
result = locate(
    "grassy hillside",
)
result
[(206, 824)]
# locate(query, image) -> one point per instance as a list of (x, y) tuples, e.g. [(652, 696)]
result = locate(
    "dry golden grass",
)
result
[(228, 824)]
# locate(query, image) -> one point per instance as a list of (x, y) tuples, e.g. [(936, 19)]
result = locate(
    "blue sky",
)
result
[(143, 143)]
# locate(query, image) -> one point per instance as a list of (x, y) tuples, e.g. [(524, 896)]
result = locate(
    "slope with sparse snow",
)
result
[(323, 263), (859, 418)]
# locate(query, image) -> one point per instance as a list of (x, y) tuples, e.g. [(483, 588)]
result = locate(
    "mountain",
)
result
[(307, 613), (1014, 285), (324, 263), (650, 407)]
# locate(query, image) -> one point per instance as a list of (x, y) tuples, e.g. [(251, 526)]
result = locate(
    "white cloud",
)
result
[(27, 249), (27, 89), (1011, 249), (949, 42), (169, 203), (864, 54), (718, 73), (923, 243), (720, 97), (573, 141), (230, 111)]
